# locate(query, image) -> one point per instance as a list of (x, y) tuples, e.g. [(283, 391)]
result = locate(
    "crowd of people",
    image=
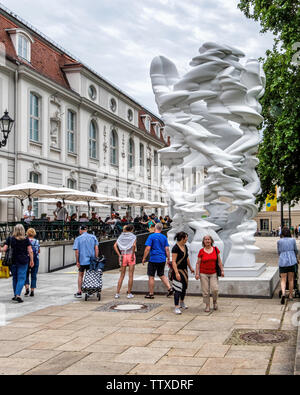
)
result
[(26, 248)]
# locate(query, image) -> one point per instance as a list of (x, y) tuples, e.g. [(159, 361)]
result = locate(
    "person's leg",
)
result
[(130, 279), (205, 290), (27, 281), (291, 284), (122, 275), (34, 271), (283, 277), (80, 279), (214, 286), (151, 285), (165, 282), (22, 270), (14, 273)]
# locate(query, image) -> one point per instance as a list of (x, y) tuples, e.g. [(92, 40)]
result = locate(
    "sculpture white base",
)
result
[(262, 286), (254, 271)]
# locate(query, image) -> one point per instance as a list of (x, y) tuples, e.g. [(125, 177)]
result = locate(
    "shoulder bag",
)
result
[(218, 270), (8, 259)]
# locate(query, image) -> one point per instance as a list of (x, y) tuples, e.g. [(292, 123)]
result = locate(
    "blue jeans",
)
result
[(33, 273), (19, 277)]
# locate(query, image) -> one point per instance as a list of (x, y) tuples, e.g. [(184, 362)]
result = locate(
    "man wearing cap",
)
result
[(86, 248)]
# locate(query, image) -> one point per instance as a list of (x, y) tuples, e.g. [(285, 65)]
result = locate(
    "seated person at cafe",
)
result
[(94, 218), (28, 215), (60, 213), (83, 218)]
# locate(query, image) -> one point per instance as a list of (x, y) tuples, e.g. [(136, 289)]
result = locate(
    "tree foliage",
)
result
[(279, 151)]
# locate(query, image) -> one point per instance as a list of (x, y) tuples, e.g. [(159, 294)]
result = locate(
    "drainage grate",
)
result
[(260, 337), (125, 307)]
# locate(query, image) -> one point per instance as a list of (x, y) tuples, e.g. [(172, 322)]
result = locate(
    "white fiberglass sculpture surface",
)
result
[(211, 115)]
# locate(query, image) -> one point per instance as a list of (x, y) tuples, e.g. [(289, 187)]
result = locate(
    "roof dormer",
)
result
[(22, 42)]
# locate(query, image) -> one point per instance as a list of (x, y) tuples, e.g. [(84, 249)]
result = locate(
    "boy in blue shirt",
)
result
[(158, 247)]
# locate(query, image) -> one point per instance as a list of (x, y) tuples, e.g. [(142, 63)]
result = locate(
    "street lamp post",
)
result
[(6, 124)]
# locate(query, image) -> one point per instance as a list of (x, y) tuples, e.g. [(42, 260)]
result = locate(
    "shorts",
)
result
[(156, 267), (83, 268), (127, 261), (287, 269)]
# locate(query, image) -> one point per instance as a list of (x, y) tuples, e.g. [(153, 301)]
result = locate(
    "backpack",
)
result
[(35, 248)]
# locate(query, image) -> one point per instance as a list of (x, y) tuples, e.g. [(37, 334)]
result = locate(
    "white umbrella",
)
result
[(156, 205), (29, 190), (87, 196), (72, 203)]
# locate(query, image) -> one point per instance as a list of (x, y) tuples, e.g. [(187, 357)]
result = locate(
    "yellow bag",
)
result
[(4, 271)]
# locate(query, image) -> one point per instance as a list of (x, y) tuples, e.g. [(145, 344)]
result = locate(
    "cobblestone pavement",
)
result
[(71, 336)]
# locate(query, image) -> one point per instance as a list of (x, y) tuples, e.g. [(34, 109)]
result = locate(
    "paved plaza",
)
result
[(55, 334)]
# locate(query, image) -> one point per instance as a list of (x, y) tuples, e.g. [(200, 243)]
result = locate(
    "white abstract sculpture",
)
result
[(211, 115)]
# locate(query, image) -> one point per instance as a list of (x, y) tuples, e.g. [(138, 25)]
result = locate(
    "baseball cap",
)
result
[(83, 227)]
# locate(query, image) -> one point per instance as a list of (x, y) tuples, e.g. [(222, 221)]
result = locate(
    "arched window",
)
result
[(35, 177), (114, 148), (93, 188), (93, 140), (130, 153), (23, 47)]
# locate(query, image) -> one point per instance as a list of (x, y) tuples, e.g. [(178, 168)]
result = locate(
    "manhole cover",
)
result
[(125, 307), (261, 337), (128, 307), (265, 337)]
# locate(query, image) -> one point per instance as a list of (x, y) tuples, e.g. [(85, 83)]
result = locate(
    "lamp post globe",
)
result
[(6, 124)]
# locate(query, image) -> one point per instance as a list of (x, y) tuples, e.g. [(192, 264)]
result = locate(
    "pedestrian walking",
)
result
[(158, 247), (86, 248), (287, 251), (179, 271), (125, 247), (32, 271), (22, 257), (206, 269)]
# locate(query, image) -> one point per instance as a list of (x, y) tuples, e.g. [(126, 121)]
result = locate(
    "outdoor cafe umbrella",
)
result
[(29, 190), (72, 203), (87, 196)]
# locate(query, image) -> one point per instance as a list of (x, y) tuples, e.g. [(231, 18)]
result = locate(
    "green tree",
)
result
[(279, 151)]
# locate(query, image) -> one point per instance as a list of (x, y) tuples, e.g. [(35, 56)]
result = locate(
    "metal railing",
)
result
[(64, 231)]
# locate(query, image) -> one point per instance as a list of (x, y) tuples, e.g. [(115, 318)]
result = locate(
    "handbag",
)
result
[(98, 263), (218, 270), (8, 258)]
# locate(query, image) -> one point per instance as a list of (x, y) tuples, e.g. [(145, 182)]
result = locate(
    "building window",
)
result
[(92, 92), (142, 159), (264, 224), (34, 117), (71, 131), (34, 177), (71, 183), (23, 47), (114, 148), (147, 122), (156, 165), (131, 154), (113, 105), (93, 188), (93, 140)]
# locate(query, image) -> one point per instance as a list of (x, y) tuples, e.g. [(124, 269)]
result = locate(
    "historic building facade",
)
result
[(72, 127)]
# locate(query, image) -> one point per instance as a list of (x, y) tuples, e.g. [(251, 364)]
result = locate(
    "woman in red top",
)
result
[(206, 270)]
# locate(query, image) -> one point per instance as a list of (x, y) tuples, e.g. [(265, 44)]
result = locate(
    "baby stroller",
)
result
[(296, 288), (92, 282)]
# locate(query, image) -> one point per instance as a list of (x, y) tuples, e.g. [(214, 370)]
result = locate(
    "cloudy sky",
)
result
[(119, 38)]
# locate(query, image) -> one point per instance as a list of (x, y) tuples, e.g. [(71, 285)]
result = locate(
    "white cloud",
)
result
[(119, 38)]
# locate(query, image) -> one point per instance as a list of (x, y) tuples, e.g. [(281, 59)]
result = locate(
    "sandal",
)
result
[(149, 296)]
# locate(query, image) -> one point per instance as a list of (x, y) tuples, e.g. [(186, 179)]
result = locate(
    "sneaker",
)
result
[(14, 298), (177, 311), (129, 296), (31, 293), (117, 296), (27, 292), (78, 295), (183, 306), (18, 299), (170, 292)]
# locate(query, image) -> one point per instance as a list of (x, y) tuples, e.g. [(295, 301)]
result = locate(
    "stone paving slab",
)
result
[(46, 339)]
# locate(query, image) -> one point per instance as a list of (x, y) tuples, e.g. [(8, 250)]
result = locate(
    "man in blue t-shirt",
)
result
[(158, 247), (86, 247)]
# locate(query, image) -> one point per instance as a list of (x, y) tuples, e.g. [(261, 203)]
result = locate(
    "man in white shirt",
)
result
[(28, 215), (60, 214)]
